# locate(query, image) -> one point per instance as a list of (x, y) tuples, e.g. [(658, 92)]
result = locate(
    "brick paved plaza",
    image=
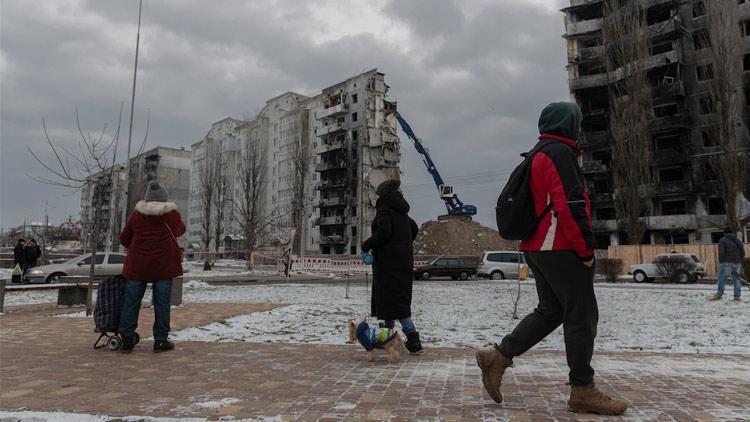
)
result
[(47, 364)]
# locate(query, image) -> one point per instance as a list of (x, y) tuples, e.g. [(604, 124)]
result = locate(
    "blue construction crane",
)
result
[(455, 207)]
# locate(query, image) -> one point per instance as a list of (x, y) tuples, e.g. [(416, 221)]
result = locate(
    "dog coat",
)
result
[(374, 337)]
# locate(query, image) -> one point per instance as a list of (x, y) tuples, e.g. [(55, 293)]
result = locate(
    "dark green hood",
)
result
[(561, 119)]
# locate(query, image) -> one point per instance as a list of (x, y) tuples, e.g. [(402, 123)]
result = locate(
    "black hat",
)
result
[(389, 186)]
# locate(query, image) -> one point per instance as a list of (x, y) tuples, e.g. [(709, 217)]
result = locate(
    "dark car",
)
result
[(455, 268)]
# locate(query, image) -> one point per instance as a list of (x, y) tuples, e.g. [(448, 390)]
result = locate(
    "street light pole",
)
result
[(126, 186)]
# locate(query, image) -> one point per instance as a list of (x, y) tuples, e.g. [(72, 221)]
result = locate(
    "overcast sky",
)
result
[(470, 77)]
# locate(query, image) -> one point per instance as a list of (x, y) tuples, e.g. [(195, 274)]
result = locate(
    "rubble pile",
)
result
[(458, 237)]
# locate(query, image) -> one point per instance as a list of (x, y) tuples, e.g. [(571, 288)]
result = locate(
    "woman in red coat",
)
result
[(153, 256)]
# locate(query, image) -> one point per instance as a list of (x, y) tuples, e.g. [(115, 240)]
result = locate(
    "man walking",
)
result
[(561, 255), (731, 253)]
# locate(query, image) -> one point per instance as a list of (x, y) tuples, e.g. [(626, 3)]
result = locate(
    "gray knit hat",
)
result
[(155, 193), (387, 187)]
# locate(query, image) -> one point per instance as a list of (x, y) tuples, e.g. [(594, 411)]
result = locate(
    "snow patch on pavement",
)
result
[(474, 314), (203, 406)]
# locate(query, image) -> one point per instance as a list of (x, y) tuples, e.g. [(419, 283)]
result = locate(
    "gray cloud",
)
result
[(471, 81)]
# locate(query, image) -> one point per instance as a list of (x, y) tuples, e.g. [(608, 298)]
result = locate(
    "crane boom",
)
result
[(454, 205)]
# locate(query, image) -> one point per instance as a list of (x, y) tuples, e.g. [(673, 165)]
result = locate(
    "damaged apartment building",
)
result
[(686, 206), (350, 136)]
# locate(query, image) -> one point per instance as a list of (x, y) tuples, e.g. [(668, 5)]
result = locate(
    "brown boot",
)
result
[(493, 365), (714, 297), (588, 399)]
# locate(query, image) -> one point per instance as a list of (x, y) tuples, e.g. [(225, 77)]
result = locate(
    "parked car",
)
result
[(497, 265), (106, 264), (675, 267), (445, 266)]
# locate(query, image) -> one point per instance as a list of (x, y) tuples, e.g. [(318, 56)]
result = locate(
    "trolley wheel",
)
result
[(114, 343), (136, 339)]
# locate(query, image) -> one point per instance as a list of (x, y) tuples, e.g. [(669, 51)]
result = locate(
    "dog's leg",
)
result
[(393, 353), (371, 356), (402, 346)]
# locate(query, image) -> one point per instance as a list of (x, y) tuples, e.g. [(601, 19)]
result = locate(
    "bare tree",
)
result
[(253, 217), (207, 183), (301, 159), (626, 57), (220, 198), (722, 37), (88, 168)]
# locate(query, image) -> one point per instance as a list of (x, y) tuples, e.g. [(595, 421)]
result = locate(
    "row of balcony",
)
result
[(333, 146), (601, 79), (331, 112), (332, 165), (332, 221), (329, 129), (335, 201), (657, 222), (331, 184), (334, 239)]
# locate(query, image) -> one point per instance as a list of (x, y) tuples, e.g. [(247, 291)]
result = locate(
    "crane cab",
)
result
[(446, 191)]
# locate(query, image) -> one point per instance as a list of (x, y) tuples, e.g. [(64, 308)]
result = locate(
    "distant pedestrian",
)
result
[(150, 236), (286, 257), (18, 253), (31, 254), (731, 253), (560, 253), (392, 270)]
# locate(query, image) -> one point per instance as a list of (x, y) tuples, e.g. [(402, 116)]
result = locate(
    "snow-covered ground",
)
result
[(477, 313), (669, 318)]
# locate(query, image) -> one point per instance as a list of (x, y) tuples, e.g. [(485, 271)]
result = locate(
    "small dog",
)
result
[(372, 338)]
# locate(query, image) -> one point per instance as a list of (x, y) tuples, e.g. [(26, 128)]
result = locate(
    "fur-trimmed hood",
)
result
[(155, 208)]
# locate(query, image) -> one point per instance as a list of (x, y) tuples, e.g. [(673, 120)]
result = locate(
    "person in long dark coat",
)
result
[(391, 244), (31, 254), (18, 255)]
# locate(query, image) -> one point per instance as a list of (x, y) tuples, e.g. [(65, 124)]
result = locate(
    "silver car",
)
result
[(498, 265), (106, 264)]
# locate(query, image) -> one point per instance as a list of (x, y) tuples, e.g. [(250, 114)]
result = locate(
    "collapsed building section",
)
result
[(356, 148)]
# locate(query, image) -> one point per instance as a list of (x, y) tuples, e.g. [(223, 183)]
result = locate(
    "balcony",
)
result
[(331, 112), (331, 184), (331, 128), (594, 166), (332, 202), (669, 90), (604, 225), (335, 239), (323, 148), (582, 3), (674, 188), (588, 81), (670, 156), (573, 29), (331, 165), (331, 221), (581, 55), (671, 222), (595, 139), (665, 30), (677, 121)]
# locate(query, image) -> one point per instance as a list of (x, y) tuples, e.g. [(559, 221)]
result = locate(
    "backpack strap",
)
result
[(530, 156)]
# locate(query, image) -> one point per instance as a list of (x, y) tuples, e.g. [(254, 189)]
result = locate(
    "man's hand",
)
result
[(589, 263)]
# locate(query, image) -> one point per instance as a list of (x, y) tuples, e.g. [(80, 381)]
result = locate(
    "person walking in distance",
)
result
[(150, 236), (560, 253), (391, 244), (31, 254), (731, 253), (18, 253)]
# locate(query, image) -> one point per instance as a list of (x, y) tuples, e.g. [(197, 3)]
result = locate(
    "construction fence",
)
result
[(638, 254)]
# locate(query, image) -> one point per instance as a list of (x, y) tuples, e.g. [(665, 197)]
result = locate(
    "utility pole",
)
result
[(126, 186)]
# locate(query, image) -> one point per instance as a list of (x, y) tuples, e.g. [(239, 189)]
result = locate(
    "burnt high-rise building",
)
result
[(686, 206)]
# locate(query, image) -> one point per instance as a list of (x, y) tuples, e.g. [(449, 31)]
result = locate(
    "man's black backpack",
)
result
[(515, 214)]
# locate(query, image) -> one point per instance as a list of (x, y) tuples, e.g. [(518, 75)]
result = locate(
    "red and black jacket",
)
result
[(557, 178)]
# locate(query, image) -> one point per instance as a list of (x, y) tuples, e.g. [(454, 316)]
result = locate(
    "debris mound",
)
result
[(458, 237)]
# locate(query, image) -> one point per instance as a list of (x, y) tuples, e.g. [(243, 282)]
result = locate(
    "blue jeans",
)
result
[(134, 290), (406, 323), (726, 268)]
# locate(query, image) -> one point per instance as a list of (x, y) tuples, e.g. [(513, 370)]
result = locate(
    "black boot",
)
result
[(127, 344), (413, 344), (163, 346)]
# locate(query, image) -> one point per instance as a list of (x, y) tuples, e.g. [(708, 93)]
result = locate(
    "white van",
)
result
[(497, 265)]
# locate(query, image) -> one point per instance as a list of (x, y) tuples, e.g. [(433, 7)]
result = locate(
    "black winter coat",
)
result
[(18, 255), (31, 254), (731, 249), (391, 243)]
